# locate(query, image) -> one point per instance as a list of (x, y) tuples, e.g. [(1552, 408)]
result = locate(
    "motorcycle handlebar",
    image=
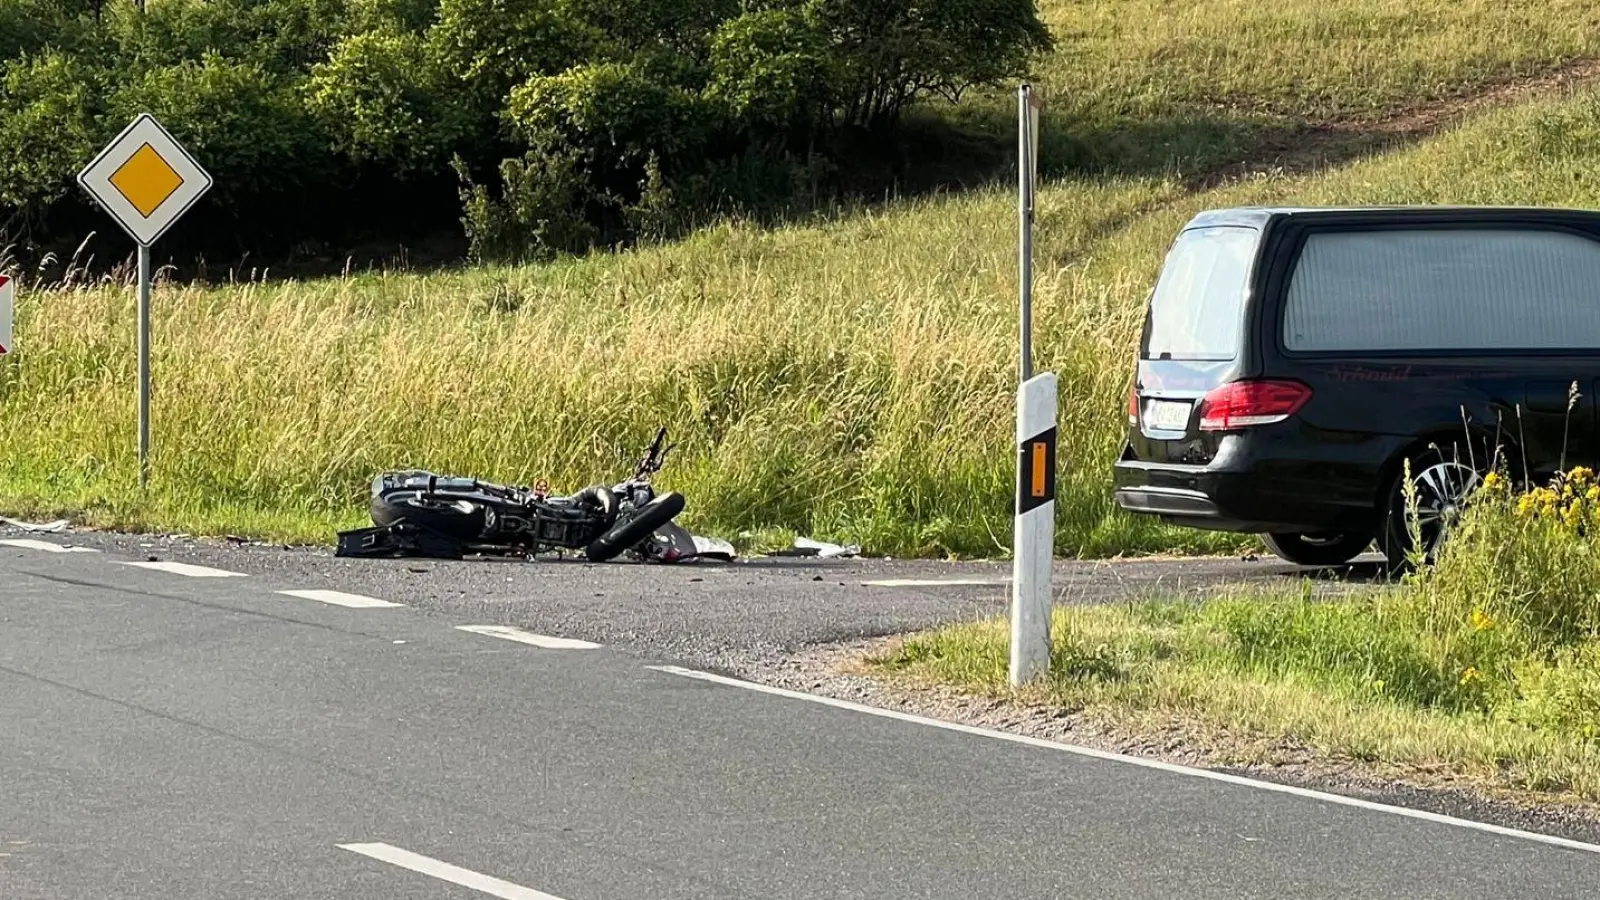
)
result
[(655, 455)]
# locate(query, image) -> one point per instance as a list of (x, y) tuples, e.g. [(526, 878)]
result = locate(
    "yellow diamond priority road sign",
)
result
[(145, 180)]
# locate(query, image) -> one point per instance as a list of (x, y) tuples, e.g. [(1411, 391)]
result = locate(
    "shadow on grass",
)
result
[(937, 150)]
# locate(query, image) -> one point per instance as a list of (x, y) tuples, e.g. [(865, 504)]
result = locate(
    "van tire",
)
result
[(1304, 550)]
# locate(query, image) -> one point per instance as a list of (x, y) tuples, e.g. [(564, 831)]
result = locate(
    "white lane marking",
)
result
[(443, 871), (46, 546), (937, 582), (178, 568), (340, 598), (528, 637), (1136, 761)]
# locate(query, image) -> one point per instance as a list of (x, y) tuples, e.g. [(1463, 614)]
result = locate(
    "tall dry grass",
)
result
[(853, 380)]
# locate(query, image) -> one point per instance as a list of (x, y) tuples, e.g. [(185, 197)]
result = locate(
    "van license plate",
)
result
[(1167, 415)]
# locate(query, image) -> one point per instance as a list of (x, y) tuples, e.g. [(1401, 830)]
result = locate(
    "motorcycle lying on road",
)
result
[(418, 513)]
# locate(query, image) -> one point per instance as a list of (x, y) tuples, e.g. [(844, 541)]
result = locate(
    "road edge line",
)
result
[(339, 598), (446, 872), (1160, 765), (187, 570), (523, 636)]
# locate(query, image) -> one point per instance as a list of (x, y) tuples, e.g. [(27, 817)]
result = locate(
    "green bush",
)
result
[(539, 210), (383, 99), (771, 68), (49, 103), (647, 111), (244, 121)]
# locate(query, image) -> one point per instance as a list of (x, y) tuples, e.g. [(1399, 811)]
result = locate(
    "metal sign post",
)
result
[(1027, 182), (8, 302), (146, 181), (1033, 540)]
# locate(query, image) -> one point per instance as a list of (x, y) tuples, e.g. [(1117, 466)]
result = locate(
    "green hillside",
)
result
[(849, 377)]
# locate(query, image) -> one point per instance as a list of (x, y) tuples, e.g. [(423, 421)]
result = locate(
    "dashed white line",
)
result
[(444, 871), (340, 598), (1174, 768), (938, 582), (527, 637), (46, 546), (192, 571)]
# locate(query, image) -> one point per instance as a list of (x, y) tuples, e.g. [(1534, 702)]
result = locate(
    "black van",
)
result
[(1292, 359)]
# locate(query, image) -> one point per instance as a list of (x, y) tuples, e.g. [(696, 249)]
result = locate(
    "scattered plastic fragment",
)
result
[(673, 543), (804, 546), (57, 527)]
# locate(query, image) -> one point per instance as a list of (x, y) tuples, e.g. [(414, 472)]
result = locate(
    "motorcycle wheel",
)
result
[(457, 520), (636, 528)]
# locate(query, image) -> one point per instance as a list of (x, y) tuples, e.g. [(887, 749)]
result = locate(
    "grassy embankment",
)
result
[(850, 378), (1483, 671)]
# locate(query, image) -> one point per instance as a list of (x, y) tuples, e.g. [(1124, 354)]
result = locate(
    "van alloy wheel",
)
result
[(1443, 486)]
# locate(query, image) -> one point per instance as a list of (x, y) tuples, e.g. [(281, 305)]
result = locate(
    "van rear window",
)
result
[(1196, 310)]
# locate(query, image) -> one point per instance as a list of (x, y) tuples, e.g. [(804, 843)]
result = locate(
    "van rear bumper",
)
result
[(1204, 503), (1252, 496)]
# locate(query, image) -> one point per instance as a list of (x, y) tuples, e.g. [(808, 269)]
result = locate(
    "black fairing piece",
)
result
[(397, 541)]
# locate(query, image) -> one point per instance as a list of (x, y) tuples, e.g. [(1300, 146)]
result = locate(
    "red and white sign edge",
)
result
[(8, 293)]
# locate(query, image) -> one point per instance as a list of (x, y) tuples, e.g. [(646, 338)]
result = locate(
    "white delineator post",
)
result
[(1035, 528), (1033, 535)]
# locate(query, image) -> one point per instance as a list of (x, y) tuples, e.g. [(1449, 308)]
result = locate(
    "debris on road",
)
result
[(673, 543), (804, 546), (60, 526)]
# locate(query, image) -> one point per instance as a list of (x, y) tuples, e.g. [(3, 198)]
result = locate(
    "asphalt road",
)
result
[(165, 736), (710, 614)]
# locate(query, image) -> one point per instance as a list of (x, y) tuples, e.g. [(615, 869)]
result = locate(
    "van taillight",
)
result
[(1241, 404), (1133, 404)]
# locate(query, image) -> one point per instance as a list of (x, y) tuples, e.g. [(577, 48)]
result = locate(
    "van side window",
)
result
[(1444, 289)]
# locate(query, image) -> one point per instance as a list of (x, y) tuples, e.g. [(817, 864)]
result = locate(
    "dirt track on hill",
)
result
[(1337, 141)]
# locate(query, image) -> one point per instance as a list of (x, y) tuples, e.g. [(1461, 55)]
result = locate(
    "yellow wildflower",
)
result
[(1581, 475), (1572, 515), (1470, 674), (1494, 481), (1525, 505), (1481, 621), (1592, 494)]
